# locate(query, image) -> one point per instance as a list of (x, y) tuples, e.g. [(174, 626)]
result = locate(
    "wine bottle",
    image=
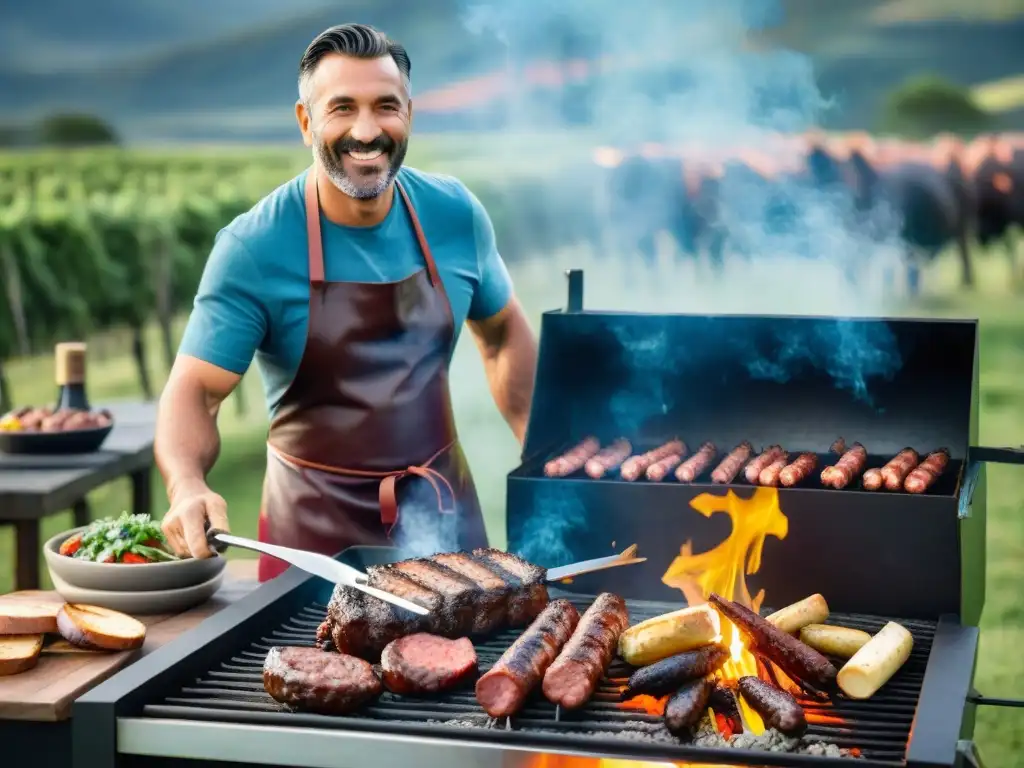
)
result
[(70, 376)]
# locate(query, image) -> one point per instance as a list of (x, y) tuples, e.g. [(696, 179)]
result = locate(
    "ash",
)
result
[(769, 741), (705, 736)]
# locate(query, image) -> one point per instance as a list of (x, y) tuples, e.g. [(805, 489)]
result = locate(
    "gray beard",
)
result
[(337, 176)]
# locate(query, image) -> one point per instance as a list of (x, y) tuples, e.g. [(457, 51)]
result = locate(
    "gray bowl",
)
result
[(124, 577)]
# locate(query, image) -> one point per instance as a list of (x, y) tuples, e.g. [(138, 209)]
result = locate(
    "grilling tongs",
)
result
[(338, 573)]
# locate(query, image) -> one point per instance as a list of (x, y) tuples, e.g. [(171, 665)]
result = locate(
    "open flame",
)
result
[(724, 569)]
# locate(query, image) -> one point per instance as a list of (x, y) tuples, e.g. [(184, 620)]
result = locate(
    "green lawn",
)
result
[(493, 453)]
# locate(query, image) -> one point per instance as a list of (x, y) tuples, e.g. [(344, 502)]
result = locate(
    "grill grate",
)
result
[(233, 692)]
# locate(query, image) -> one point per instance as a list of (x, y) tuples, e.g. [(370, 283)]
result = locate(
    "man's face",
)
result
[(357, 120)]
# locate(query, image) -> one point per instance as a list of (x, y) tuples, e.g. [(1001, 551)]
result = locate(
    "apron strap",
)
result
[(389, 499), (428, 257), (313, 234)]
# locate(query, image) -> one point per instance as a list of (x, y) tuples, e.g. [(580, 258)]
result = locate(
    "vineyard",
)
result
[(100, 240)]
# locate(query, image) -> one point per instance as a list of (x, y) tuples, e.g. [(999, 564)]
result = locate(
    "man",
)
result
[(348, 285)]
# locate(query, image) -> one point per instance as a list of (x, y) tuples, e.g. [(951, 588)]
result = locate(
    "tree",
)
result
[(75, 130), (926, 105)]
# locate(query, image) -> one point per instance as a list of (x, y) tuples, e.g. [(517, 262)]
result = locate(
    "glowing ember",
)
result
[(724, 569), (567, 761)]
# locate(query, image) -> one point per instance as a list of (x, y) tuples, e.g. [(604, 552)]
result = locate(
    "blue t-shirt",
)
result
[(253, 298)]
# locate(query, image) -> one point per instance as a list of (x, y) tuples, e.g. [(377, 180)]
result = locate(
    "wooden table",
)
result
[(34, 487), (35, 706)]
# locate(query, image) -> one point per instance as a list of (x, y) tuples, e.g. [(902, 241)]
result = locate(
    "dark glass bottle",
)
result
[(70, 375)]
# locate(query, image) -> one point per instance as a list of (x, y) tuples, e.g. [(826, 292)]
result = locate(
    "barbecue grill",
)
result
[(914, 559)]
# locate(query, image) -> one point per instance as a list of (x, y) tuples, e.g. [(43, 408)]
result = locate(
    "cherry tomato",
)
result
[(131, 557), (71, 545)]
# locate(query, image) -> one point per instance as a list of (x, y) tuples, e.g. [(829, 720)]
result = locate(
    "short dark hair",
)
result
[(358, 40)]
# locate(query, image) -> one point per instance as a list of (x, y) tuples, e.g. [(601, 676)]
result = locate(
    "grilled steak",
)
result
[(423, 663), (492, 606), (460, 596), (361, 625), (317, 681), (465, 594), (530, 592)]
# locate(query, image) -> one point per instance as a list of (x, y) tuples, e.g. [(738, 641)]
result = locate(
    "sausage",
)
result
[(927, 472), (768, 455), (659, 470), (770, 474), (797, 660), (686, 706), (634, 467), (778, 707), (731, 465), (694, 466), (872, 480), (608, 458), (667, 675), (573, 459), (798, 469), (570, 681), (899, 466), (503, 689), (850, 464)]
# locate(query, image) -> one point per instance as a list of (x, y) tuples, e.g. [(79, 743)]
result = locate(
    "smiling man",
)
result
[(348, 285)]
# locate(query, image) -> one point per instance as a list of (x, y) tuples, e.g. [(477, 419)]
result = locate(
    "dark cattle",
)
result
[(647, 196), (999, 187)]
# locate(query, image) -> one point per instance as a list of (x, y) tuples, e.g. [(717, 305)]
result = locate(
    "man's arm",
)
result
[(500, 328), (227, 325), (509, 353)]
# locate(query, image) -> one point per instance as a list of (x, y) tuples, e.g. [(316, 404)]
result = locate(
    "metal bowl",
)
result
[(44, 443), (127, 577)]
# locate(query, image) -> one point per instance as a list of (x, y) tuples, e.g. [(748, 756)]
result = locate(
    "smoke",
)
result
[(557, 519), (422, 528), (692, 74), (851, 353)]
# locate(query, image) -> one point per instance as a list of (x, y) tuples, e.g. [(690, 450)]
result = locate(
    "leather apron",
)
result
[(366, 426)]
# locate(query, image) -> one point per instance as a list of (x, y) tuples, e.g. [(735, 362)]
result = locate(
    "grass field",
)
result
[(493, 452)]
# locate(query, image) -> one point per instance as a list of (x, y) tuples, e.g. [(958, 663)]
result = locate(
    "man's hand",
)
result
[(184, 525)]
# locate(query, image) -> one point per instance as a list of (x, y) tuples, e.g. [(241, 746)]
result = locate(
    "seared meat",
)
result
[(492, 606), (530, 592), (318, 681), (423, 663)]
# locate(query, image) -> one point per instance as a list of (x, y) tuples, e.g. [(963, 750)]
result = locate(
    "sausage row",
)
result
[(773, 466)]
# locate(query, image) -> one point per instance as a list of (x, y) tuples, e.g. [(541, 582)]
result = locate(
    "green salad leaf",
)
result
[(112, 538)]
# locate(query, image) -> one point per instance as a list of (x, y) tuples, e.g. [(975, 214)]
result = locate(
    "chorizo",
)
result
[(798, 469), (635, 467), (850, 464), (899, 466), (730, 466), (927, 472), (768, 455), (695, 466)]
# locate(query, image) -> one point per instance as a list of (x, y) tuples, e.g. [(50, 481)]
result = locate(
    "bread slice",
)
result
[(25, 617), (19, 653), (90, 626)]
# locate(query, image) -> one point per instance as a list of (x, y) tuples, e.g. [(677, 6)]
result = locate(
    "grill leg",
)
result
[(967, 755)]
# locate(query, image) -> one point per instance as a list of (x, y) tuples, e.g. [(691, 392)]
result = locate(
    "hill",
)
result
[(209, 70)]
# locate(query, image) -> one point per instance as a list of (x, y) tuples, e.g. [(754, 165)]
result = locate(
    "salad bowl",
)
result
[(124, 554)]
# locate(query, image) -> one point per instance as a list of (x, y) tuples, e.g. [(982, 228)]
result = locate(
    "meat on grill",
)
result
[(686, 706), (770, 475), (695, 466), (529, 588), (424, 663), (317, 681), (927, 472), (659, 470), (753, 471), (899, 466), (850, 464), (503, 689), (570, 681), (730, 466), (466, 593), (636, 467), (608, 458), (573, 459), (872, 480), (778, 708), (798, 469)]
